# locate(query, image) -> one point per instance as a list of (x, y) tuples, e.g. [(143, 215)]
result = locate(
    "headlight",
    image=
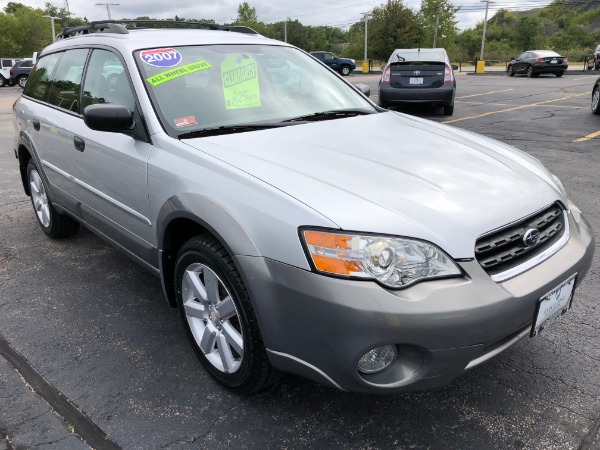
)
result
[(353, 61), (394, 262), (560, 186)]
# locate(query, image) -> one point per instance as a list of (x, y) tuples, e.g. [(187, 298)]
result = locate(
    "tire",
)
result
[(530, 73), (596, 101), (596, 65), (559, 74), (2, 81), (345, 71), (448, 110), (221, 327), (51, 222), (22, 80), (510, 71)]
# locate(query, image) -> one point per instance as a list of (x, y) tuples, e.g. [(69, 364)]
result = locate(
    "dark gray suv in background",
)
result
[(395, 257)]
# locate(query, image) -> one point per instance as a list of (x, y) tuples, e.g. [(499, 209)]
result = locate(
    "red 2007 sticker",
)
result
[(161, 57), (185, 121)]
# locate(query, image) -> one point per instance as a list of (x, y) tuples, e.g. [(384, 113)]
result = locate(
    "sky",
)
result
[(337, 13)]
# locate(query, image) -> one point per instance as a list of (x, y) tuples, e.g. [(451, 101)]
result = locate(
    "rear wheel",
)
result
[(53, 223), (383, 104), (218, 317), (22, 81), (530, 73), (596, 101), (510, 71), (448, 110), (559, 74), (346, 70), (2, 81)]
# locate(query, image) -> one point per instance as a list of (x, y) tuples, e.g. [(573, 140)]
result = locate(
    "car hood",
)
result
[(394, 174)]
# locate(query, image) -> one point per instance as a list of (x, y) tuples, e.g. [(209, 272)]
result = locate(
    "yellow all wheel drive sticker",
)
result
[(168, 75), (240, 82)]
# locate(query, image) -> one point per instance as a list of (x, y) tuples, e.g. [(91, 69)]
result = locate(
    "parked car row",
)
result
[(15, 71)]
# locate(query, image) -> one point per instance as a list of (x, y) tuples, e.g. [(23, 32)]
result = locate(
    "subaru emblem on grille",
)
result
[(531, 237), (417, 72)]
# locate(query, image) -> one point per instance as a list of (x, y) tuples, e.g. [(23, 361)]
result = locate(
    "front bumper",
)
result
[(398, 96), (319, 327)]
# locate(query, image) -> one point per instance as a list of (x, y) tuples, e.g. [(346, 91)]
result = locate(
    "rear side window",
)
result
[(26, 64), (6, 63), (106, 81), (66, 83), (39, 80)]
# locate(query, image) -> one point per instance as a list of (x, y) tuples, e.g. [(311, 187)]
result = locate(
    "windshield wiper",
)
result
[(230, 129), (328, 115)]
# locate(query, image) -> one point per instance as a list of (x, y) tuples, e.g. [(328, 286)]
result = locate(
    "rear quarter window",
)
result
[(39, 81)]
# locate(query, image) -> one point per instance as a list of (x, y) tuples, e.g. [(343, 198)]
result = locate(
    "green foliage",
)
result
[(246, 14), (392, 26), (24, 30), (426, 18), (528, 34)]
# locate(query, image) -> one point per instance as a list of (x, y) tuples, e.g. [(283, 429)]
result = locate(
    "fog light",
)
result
[(377, 359)]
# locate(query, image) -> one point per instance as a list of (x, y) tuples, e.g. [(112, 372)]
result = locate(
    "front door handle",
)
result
[(36, 124), (79, 143)]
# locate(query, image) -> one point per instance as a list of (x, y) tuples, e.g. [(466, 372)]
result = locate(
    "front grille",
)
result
[(504, 249)]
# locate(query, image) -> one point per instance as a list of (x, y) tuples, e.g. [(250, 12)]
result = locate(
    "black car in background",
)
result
[(535, 62), (342, 65), (19, 73)]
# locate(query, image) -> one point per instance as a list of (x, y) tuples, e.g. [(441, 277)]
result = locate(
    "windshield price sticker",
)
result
[(169, 75), (239, 75), (161, 57)]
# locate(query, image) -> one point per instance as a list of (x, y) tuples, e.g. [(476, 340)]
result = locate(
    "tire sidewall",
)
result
[(345, 71), (237, 291), (597, 109), (22, 81), (530, 72)]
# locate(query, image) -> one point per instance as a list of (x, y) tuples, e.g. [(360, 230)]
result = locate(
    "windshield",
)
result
[(202, 87)]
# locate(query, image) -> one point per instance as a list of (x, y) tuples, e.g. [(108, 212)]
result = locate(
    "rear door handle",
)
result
[(36, 124), (79, 143)]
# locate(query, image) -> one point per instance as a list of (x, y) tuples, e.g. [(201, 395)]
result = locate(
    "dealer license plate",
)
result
[(416, 80), (553, 305), (553, 61)]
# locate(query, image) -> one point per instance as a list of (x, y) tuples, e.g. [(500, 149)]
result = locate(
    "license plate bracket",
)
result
[(553, 305), (415, 80)]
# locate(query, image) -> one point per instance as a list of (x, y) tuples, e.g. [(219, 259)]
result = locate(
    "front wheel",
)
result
[(51, 222), (510, 71), (530, 71), (218, 316), (346, 70), (596, 101), (22, 81)]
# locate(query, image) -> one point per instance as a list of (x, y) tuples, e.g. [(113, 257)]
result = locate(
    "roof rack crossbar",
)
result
[(123, 27)]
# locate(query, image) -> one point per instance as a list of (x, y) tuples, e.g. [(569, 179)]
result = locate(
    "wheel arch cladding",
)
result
[(24, 157), (185, 216)]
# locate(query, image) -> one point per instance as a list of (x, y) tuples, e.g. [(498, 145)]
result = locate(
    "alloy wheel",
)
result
[(596, 101), (213, 318), (39, 198)]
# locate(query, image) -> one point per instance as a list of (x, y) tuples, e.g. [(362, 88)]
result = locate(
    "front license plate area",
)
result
[(415, 80), (552, 305)]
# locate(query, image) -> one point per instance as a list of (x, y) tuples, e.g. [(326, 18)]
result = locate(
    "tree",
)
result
[(427, 17), (392, 26), (246, 14), (528, 33)]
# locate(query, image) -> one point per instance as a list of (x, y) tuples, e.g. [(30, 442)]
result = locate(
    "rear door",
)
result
[(421, 74)]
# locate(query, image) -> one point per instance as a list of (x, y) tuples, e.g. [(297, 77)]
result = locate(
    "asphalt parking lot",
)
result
[(94, 326)]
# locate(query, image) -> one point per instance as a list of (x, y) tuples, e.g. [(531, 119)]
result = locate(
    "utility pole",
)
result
[(108, 5), (487, 5), (52, 21), (285, 30), (366, 15), (437, 24)]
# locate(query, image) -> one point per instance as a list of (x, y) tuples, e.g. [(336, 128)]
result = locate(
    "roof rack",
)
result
[(123, 27)]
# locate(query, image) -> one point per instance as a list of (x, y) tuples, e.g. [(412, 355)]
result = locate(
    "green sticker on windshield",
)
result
[(240, 82), (168, 75)]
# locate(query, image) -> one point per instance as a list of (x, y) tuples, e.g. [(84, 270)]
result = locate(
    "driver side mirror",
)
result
[(108, 117)]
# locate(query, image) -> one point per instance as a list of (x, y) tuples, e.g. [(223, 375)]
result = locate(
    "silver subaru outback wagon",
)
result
[(394, 257)]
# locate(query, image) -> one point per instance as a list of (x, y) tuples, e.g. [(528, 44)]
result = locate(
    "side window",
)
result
[(319, 56), (329, 56), (27, 64), (106, 81), (39, 80), (66, 83), (6, 63)]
